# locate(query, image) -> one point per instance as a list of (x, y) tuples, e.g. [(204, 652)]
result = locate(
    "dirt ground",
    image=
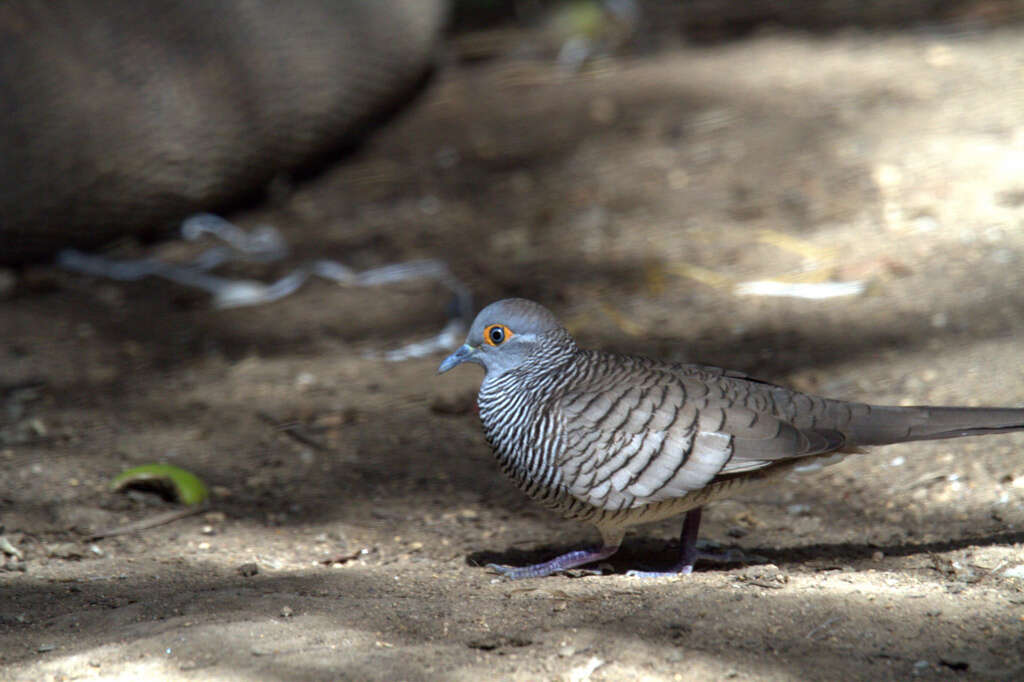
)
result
[(355, 502)]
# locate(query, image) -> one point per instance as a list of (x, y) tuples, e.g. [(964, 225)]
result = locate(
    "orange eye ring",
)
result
[(497, 334)]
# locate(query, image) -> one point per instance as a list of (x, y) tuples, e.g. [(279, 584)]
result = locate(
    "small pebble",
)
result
[(925, 223), (7, 548), (248, 570), (1015, 572)]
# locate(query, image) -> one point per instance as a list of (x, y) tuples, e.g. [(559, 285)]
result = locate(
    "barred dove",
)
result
[(619, 440)]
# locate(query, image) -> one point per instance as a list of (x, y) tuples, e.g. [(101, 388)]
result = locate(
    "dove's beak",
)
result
[(463, 354)]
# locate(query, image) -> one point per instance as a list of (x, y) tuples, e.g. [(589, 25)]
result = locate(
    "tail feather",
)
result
[(883, 425)]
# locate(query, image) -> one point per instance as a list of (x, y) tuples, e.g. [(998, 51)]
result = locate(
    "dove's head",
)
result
[(509, 333)]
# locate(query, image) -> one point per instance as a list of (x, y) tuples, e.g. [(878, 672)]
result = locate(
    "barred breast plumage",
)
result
[(618, 440)]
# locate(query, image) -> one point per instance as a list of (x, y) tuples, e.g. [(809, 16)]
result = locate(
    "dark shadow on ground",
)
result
[(650, 553), (194, 616)]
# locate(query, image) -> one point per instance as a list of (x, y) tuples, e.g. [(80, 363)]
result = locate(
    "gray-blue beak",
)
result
[(460, 356)]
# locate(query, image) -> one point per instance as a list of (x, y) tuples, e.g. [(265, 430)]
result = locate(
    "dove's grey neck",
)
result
[(519, 424)]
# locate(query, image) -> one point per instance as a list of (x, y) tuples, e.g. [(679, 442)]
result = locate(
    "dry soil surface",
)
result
[(355, 503)]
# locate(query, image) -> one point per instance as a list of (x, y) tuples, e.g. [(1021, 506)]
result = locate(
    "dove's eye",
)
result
[(496, 334)]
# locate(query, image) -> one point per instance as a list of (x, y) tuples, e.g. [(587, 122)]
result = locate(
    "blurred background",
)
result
[(828, 195)]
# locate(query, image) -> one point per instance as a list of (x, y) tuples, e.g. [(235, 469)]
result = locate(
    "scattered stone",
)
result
[(64, 550), (248, 570), (765, 575), (7, 548), (583, 672), (1015, 572), (497, 641)]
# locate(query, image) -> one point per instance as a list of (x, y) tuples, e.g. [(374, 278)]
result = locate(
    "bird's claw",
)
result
[(498, 568), (517, 572)]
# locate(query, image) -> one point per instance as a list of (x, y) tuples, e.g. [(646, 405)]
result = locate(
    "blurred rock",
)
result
[(124, 118)]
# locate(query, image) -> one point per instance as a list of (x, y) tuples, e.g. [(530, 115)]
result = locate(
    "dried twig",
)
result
[(294, 430), (824, 625), (151, 522)]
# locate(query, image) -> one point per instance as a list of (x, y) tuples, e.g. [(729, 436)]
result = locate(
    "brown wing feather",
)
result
[(636, 433)]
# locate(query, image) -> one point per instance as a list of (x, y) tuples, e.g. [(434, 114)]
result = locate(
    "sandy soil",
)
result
[(630, 199)]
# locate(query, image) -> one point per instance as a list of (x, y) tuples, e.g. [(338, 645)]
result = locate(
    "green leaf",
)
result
[(188, 488)]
